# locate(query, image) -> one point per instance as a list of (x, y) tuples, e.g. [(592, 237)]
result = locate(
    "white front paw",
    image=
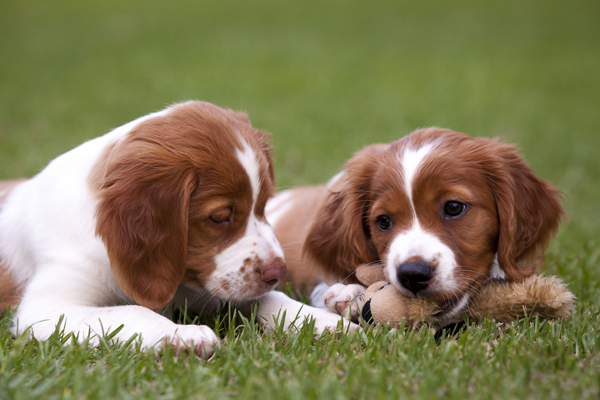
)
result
[(199, 339), (342, 299), (325, 320)]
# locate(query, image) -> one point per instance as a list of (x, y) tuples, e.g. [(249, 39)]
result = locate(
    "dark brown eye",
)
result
[(384, 222), (222, 216), (454, 209)]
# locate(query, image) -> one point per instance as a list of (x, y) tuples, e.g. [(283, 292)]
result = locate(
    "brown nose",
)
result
[(274, 272)]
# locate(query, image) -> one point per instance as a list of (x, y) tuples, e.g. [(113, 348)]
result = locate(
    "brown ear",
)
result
[(142, 218), (339, 239), (529, 212)]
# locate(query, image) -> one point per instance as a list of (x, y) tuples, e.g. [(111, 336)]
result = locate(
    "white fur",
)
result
[(316, 297), (248, 160), (278, 206), (336, 178), (342, 299), (415, 242), (258, 241), (496, 271), (411, 161), (48, 241), (274, 305)]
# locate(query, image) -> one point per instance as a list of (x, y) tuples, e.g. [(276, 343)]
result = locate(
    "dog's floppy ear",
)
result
[(142, 217), (529, 211), (339, 239)]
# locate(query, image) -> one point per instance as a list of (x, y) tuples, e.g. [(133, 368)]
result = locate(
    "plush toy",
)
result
[(504, 301)]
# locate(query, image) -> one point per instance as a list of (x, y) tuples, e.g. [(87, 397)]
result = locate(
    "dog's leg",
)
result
[(43, 305), (273, 305)]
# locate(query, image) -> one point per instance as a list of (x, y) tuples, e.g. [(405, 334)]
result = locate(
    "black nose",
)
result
[(414, 275)]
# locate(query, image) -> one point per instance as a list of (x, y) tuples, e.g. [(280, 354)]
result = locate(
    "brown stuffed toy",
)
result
[(504, 301)]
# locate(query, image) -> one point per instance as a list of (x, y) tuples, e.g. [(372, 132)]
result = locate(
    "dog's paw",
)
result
[(342, 299), (199, 339), (328, 321)]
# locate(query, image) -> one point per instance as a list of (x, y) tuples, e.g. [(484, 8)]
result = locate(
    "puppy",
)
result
[(440, 211), (165, 210)]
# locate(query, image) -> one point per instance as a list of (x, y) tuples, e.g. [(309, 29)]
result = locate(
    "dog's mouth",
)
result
[(450, 305), (451, 308)]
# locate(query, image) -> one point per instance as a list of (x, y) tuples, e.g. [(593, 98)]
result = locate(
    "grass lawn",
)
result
[(325, 77)]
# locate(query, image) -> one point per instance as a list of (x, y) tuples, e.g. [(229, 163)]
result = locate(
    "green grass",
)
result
[(325, 77)]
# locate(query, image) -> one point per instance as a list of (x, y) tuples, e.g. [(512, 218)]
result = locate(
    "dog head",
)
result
[(181, 199), (440, 210)]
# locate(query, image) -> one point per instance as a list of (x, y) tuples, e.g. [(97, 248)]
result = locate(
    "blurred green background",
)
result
[(325, 77)]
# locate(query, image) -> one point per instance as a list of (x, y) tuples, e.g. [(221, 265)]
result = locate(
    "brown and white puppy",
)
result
[(439, 210), (167, 209)]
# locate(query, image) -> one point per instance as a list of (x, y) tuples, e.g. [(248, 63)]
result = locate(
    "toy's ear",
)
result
[(369, 274), (365, 303), (383, 303)]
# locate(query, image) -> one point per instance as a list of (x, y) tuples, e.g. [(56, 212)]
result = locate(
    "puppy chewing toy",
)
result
[(502, 300)]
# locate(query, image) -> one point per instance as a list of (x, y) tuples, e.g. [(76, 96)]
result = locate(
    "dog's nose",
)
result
[(414, 275), (275, 272)]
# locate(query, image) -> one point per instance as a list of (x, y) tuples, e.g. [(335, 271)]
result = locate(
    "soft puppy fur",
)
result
[(167, 209), (440, 210)]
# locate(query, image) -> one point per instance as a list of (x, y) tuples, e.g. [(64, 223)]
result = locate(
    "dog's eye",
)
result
[(222, 216), (384, 222), (454, 209)]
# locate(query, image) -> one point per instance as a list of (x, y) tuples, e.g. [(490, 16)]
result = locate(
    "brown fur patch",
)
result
[(253, 264), (10, 292)]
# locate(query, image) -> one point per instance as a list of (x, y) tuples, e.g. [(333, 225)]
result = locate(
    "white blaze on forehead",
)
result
[(416, 242), (411, 160), (248, 160)]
